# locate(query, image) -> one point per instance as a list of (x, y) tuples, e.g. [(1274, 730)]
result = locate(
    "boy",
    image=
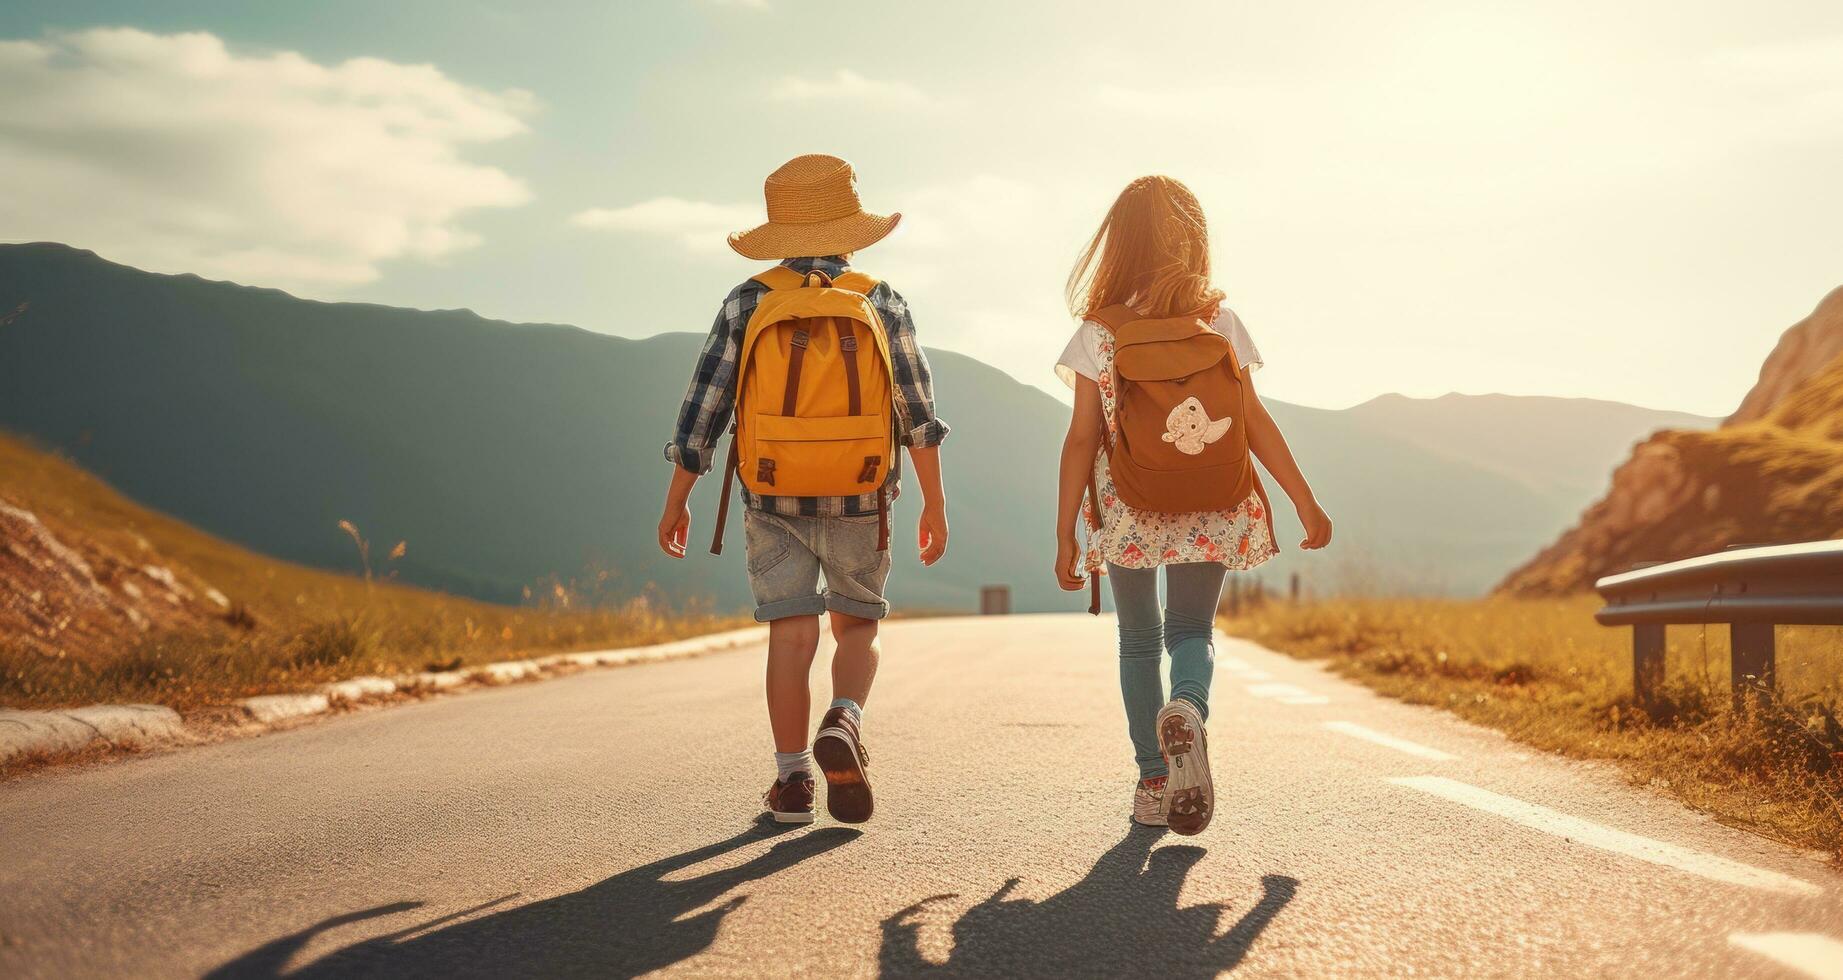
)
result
[(815, 224)]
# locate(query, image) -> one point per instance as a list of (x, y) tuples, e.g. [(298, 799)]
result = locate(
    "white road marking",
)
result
[(1235, 664), (1287, 694), (1255, 675), (1606, 838), (1398, 744), (1819, 957)]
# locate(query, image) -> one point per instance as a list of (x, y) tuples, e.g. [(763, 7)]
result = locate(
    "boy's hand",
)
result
[(674, 529), (1317, 526), (931, 537), (1068, 566)]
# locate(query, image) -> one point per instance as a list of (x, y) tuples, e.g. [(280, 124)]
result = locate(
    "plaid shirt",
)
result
[(711, 398)]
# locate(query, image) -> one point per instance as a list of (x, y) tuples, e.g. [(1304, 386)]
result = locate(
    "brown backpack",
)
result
[(1181, 439)]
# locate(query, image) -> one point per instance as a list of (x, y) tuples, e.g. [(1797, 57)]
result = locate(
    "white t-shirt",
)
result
[(1082, 355)]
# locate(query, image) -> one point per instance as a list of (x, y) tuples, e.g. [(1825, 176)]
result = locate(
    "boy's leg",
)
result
[(1142, 686), (854, 662), (792, 642), (855, 572), (784, 577), (1192, 593)]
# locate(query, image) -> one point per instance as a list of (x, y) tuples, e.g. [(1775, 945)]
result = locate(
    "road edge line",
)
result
[(54, 733)]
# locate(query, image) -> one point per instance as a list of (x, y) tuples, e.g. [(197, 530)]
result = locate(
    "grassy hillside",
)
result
[(1546, 674), (103, 600)]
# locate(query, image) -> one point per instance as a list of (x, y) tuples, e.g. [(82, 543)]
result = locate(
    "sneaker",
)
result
[(790, 800), (1190, 796), (1149, 802), (844, 762)]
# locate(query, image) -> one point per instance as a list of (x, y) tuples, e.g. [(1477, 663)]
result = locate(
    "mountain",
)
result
[(1558, 447), (1772, 474), (504, 454), (511, 454)]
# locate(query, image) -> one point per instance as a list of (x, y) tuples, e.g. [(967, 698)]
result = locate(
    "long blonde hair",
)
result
[(1151, 253)]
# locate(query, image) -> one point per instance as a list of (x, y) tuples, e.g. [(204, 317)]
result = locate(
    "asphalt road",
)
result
[(603, 824)]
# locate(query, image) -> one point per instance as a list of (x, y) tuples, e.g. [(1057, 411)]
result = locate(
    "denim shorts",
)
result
[(787, 555)]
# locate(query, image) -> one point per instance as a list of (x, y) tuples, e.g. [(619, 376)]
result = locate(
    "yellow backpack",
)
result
[(815, 405)]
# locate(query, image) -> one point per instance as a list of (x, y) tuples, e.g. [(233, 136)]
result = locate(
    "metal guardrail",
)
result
[(1752, 590)]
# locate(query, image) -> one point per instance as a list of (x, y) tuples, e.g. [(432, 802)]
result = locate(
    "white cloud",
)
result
[(845, 85), (1187, 104), (699, 226), (982, 261), (174, 153), (1786, 91), (1806, 60)]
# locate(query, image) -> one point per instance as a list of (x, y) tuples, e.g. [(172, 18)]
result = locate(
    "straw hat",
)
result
[(813, 209)]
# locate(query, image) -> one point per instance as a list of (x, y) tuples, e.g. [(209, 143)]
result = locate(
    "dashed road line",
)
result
[(1398, 744), (1287, 694), (1606, 838), (1819, 957)]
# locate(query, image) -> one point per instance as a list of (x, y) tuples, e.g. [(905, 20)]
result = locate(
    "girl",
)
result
[(1152, 255)]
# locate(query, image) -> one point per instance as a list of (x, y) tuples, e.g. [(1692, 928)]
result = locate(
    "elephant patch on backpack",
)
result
[(1189, 428)]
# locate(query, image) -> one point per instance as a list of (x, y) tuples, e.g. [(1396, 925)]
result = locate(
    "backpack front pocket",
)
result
[(832, 456)]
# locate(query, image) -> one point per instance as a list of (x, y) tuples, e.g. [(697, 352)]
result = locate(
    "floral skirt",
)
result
[(1239, 538)]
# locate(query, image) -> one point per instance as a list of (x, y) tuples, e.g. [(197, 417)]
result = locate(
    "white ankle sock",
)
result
[(788, 763), (851, 707)]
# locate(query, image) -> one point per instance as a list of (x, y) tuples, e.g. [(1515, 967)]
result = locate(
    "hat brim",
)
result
[(835, 237)]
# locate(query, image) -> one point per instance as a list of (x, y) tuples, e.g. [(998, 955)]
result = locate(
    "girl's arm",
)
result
[(1270, 448), (1079, 448)]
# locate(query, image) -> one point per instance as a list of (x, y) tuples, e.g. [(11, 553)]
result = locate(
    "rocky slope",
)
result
[(68, 587), (1803, 350), (1772, 474)]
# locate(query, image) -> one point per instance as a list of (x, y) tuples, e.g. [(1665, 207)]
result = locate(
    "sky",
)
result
[(1626, 201)]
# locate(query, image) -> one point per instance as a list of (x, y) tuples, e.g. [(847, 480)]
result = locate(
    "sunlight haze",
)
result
[(1622, 201)]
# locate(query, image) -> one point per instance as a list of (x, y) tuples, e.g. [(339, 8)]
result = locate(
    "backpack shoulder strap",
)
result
[(1114, 317), (779, 277), (858, 282)]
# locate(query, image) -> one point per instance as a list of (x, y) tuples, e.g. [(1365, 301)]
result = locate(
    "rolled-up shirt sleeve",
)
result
[(920, 426), (710, 398)]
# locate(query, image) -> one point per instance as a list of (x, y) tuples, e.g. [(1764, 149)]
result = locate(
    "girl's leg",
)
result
[(1192, 592), (1142, 685)]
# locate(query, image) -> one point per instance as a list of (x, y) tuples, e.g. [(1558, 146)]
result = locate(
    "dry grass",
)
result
[(1543, 672), (288, 627), (188, 670)]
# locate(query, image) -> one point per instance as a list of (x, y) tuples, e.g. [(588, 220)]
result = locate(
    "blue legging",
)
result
[(1186, 629)]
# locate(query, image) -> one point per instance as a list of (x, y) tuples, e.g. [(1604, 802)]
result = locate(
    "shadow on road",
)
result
[(621, 927), (1122, 919)]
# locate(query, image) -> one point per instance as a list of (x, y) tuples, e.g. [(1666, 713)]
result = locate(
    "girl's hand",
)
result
[(1317, 526), (1068, 566)]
